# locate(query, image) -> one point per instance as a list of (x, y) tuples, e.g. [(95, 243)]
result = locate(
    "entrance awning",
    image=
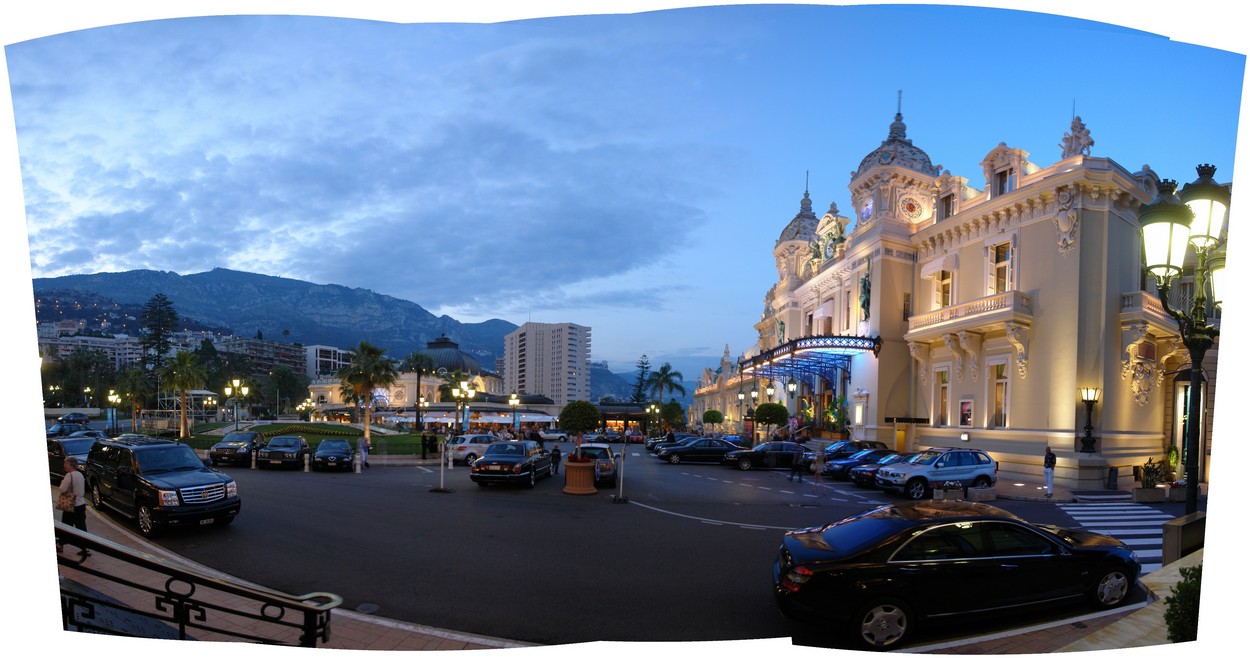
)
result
[(806, 358)]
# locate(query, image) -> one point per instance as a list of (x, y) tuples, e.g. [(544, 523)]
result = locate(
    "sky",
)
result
[(626, 171)]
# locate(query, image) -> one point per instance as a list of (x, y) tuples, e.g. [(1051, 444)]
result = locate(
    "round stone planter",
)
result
[(579, 478)]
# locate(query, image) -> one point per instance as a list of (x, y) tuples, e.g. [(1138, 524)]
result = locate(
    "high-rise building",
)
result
[(548, 359)]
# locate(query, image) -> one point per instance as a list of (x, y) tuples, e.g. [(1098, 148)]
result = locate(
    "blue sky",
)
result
[(629, 172)]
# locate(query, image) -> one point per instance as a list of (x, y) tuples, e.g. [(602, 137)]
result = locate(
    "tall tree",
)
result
[(183, 373), (665, 380), (640, 382), (368, 370), (421, 364), (159, 322), (134, 387)]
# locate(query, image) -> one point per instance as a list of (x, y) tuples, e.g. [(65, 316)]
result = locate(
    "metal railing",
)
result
[(122, 591)]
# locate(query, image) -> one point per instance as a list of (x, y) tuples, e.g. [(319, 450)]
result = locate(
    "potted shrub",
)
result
[(1152, 475), (579, 417), (1181, 614)]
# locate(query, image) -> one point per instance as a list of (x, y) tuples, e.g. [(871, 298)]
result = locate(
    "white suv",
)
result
[(916, 477), (468, 447)]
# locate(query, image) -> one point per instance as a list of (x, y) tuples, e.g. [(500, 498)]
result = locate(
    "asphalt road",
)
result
[(688, 557)]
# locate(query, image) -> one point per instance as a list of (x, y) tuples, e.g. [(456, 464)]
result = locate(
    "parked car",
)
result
[(841, 449), (915, 478), (73, 417), (88, 434), (67, 446), (652, 443), (235, 448), (512, 462), (613, 437), (467, 448), (839, 469), (605, 461), (284, 450), (333, 454), (865, 475), (160, 483), (65, 429), (881, 573), (554, 435), (634, 436), (696, 450), (772, 454), (682, 440)]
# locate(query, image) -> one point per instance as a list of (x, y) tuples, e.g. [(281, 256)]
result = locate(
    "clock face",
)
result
[(866, 211), (910, 207)]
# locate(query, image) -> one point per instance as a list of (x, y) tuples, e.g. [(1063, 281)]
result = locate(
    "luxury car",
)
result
[(653, 442), (235, 448), (554, 435), (865, 475), (333, 453), (88, 434), (513, 462), (285, 450), (67, 446), (915, 478), (161, 483), (839, 469), (696, 450), (841, 449), (65, 429), (773, 454), (605, 461), (73, 417), (468, 447), (881, 573)]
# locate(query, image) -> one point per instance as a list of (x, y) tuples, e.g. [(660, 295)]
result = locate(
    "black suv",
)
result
[(65, 429), (286, 450), (159, 482), (236, 448)]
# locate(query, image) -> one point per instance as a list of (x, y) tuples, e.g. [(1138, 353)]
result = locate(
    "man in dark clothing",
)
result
[(1048, 469)]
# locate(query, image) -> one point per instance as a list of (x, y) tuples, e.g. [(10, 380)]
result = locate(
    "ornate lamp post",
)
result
[(654, 410), (421, 405), (791, 387), (741, 396), (235, 386), (463, 395), (770, 390), (1089, 395), (513, 401), (1168, 226), (114, 400)]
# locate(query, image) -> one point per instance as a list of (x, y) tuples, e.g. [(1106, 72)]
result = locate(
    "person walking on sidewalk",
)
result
[(1048, 470), (362, 446), (555, 459), (73, 482)]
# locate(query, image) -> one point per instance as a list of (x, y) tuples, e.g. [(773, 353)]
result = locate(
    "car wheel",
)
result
[(469, 459), (982, 482), (529, 484), (146, 525), (97, 501), (674, 459), (882, 624), (744, 464), (916, 489), (1111, 590)]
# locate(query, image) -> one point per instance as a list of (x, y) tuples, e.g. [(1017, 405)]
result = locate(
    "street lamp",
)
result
[(654, 409), (242, 392), (770, 390), (1089, 395), (1168, 224), (421, 405), (513, 401), (114, 400), (462, 393), (791, 387), (86, 401)]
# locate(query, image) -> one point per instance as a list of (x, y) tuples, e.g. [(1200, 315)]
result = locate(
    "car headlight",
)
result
[(167, 498), (232, 489)]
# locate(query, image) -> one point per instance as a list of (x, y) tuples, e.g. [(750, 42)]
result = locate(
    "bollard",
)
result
[(307, 457), (356, 462)]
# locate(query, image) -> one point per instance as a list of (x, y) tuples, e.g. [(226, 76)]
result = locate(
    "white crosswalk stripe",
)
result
[(1139, 526)]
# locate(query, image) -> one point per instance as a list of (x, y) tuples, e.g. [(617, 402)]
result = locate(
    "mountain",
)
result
[(287, 309)]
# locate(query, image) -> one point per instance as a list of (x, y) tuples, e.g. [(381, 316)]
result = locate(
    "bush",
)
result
[(1181, 614), (1152, 473)]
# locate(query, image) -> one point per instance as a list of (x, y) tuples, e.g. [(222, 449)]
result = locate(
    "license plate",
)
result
[(275, 461), (206, 521)]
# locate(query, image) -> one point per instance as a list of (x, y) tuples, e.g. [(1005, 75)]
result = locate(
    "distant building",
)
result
[(325, 360), (264, 355), (548, 359)]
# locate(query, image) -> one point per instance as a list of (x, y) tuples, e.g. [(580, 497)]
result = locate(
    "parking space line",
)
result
[(710, 521)]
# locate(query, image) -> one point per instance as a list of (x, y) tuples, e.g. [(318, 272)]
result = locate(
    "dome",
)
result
[(803, 226), (447, 355), (898, 151)]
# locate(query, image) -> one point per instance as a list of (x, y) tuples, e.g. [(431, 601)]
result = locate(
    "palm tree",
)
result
[(133, 384), (368, 370), (665, 379), (421, 364), (183, 373)]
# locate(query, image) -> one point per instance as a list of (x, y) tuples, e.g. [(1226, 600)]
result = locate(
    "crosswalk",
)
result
[(1139, 526)]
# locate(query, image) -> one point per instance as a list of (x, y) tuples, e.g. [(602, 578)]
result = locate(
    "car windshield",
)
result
[(890, 459), (595, 452), (334, 444), (862, 454), (505, 449), (77, 446), (171, 458), (236, 439), (835, 447), (283, 442), (925, 457)]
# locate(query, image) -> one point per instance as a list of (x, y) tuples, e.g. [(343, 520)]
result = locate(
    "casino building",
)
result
[(971, 311)]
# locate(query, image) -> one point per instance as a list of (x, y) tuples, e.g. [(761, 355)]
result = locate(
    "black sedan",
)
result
[(839, 469), (65, 429), (696, 450), (62, 447), (283, 451), (73, 417), (333, 454), (841, 450), (235, 448), (512, 462), (881, 573), (865, 475), (773, 454)]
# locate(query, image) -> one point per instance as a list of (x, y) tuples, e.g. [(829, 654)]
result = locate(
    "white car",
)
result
[(917, 477), (554, 435), (467, 448)]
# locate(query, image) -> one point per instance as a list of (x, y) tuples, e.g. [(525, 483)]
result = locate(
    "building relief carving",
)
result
[(1067, 217), (952, 344), (971, 343), (920, 352), (1018, 336)]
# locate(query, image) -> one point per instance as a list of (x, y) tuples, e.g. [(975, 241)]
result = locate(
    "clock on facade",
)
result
[(866, 211), (910, 207)]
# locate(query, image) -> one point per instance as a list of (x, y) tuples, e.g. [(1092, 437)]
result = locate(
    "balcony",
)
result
[(979, 315)]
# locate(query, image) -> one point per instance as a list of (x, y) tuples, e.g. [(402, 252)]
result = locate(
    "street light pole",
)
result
[(513, 401), (1168, 226)]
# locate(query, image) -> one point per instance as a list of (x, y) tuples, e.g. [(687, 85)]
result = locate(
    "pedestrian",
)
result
[(796, 468), (362, 446), (425, 445), (1048, 469), (74, 483), (555, 459), (818, 467)]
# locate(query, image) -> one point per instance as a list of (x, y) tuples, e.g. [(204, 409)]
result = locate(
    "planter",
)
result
[(579, 478), (981, 495), (1176, 494), (1151, 495)]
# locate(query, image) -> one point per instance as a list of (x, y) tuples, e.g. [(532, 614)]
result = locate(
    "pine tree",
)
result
[(640, 383)]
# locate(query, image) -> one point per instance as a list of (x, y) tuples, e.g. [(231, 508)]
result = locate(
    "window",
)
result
[(1004, 181), (906, 306), (947, 206), (998, 379), (1007, 540), (846, 313), (941, 397), (1000, 268), (943, 283)]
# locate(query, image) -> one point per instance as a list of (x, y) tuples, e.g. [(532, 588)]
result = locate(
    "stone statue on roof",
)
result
[(1078, 141)]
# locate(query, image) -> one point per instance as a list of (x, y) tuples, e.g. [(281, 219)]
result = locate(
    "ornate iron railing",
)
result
[(122, 591)]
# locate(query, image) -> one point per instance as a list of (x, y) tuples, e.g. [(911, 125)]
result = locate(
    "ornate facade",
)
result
[(947, 315)]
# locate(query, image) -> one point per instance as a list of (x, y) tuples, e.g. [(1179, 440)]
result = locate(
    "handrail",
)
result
[(181, 599)]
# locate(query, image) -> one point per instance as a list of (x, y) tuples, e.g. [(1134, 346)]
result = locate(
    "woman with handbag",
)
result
[(72, 502)]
